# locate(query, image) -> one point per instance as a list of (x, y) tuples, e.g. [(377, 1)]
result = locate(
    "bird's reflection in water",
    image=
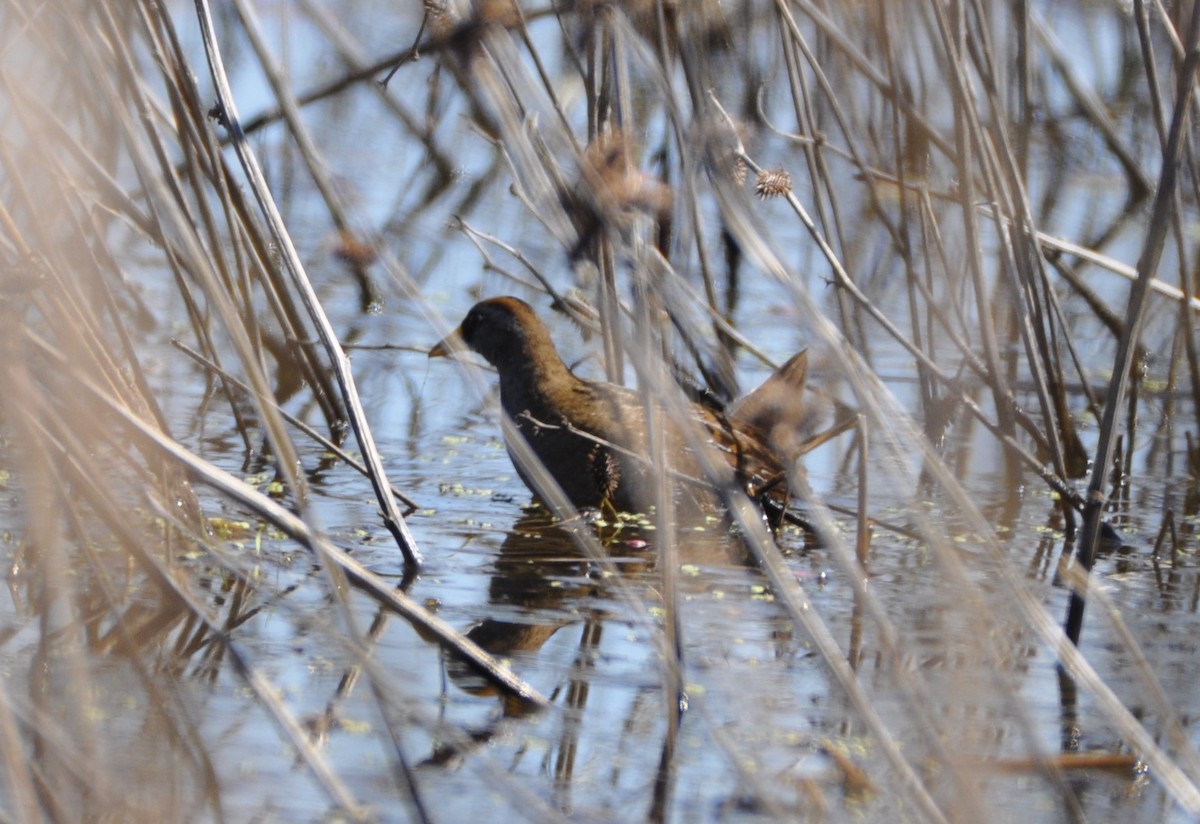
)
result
[(541, 580), (538, 567)]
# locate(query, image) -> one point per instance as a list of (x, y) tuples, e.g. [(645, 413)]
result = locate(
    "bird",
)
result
[(591, 436)]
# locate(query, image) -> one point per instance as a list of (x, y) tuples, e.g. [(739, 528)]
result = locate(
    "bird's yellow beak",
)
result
[(448, 345)]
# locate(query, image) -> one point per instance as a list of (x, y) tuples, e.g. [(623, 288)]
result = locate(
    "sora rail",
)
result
[(591, 436)]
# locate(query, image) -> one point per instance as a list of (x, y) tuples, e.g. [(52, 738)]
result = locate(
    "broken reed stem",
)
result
[(393, 519)]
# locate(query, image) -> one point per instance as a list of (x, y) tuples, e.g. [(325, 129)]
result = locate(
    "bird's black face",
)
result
[(493, 328), (469, 328), (505, 331)]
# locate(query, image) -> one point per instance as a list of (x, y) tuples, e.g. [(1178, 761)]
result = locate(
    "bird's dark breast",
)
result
[(588, 471)]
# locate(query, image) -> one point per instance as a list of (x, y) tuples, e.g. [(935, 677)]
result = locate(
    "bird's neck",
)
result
[(534, 382)]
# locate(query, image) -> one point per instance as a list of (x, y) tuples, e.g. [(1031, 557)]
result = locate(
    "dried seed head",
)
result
[(354, 251), (773, 183), (611, 190), (441, 18), (609, 171), (502, 13)]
